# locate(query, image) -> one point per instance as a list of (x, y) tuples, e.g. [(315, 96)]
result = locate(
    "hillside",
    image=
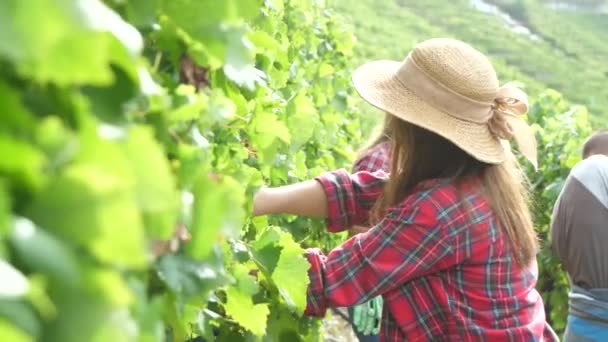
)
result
[(528, 41)]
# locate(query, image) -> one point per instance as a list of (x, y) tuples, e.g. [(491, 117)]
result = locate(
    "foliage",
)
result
[(126, 125), (560, 132)]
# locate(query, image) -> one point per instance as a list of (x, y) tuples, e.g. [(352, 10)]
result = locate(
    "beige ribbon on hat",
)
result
[(506, 122), (503, 116)]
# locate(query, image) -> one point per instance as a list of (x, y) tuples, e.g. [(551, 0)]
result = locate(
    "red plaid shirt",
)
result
[(439, 259), (377, 158)]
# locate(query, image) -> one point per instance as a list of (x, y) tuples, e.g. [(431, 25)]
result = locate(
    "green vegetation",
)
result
[(570, 55), (114, 139), (560, 133)]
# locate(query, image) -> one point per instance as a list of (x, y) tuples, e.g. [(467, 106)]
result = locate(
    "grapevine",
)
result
[(133, 136)]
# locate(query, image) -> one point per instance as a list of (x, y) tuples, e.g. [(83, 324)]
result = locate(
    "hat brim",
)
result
[(377, 84)]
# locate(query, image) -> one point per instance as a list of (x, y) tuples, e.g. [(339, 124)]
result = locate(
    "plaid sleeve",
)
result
[(350, 197), (404, 246)]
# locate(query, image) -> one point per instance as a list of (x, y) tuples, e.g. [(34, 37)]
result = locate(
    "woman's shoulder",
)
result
[(375, 158)]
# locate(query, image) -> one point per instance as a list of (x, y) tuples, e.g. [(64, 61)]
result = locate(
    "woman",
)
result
[(452, 248), (366, 317)]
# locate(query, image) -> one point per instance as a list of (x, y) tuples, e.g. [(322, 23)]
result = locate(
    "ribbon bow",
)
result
[(507, 123)]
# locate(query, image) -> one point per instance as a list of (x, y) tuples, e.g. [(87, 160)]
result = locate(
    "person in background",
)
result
[(451, 248), (579, 237), (365, 318)]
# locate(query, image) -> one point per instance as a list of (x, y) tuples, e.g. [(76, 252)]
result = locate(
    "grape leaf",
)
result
[(188, 277), (301, 117), (239, 65), (21, 315), (266, 128), (95, 15), (16, 118), (142, 13), (266, 250), (281, 326), (42, 252), (70, 43), (240, 306), (291, 273), (155, 189), (217, 213), (22, 163), (93, 206), (11, 333)]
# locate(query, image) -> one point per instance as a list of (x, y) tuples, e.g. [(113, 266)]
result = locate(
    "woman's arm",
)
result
[(407, 244), (304, 199), (343, 199)]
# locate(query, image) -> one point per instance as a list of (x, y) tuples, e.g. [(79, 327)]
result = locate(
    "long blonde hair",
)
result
[(419, 154)]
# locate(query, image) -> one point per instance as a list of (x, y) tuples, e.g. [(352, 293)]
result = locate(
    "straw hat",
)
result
[(448, 87)]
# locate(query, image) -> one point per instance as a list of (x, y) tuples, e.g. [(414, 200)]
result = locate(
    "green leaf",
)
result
[(301, 119), (14, 284), (291, 273), (282, 326), (96, 320), (5, 211), (239, 65), (16, 118), (108, 101), (266, 128), (95, 15), (187, 277), (155, 188), (240, 307), (9, 332), (266, 250), (263, 42), (39, 296), (196, 15), (91, 50), (56, 140), (22, 163), (244, 281), (44, 253), (71, 42), (142, 13), (217, 213), (220, 109), (147, 312), (109, 286), (21, 315), (191, 104), (325, 70), (93, 206)]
